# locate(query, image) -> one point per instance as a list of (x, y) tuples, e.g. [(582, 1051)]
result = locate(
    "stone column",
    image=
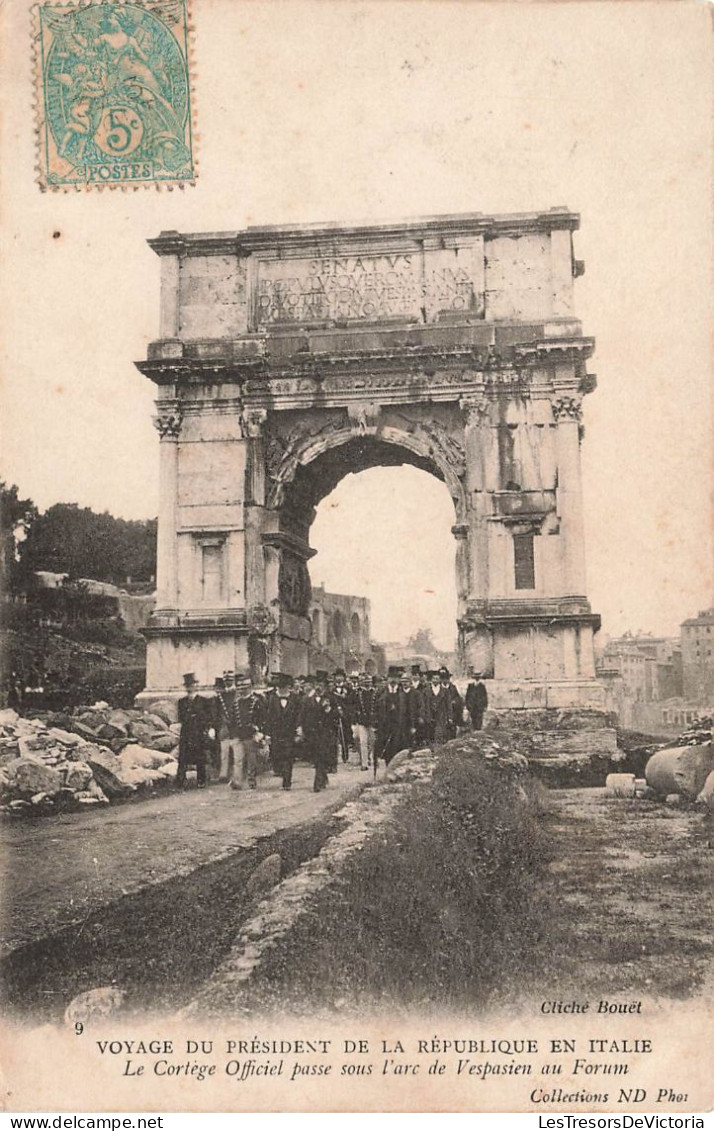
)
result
[(168, 423), (567, 413), (477, 438), (253, 427)]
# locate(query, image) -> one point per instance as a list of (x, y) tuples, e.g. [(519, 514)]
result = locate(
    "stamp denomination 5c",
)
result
[(113, 97)]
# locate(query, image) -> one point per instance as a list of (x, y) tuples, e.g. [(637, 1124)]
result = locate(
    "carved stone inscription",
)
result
[(366, 287)]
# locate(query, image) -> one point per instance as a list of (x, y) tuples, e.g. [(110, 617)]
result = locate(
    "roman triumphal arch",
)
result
[(291, 356)]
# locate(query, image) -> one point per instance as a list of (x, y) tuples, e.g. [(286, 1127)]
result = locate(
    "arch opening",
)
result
[(385, 553)]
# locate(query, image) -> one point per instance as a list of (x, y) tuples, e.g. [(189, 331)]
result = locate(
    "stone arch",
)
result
[(427, 448), (355, 631)]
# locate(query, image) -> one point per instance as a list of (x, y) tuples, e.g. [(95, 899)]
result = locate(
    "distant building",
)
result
[(341, 633), (650, 666), (698, 658), (660, 684)]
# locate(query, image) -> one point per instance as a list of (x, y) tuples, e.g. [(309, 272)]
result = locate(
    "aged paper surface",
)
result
[(343, 111)]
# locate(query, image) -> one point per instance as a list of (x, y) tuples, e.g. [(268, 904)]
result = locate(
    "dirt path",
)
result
[(633, 894), (60, 870)]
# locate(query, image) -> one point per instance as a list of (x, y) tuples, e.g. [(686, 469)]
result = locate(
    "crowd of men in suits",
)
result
[(320, 719)]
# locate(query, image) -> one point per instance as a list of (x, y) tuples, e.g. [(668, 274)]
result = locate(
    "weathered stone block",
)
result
[(26, 777)]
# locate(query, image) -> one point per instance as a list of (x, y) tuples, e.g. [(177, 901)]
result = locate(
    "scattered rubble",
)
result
[(677, 773), (57, 762)]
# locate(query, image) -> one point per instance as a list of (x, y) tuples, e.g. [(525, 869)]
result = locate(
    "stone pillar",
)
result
[(476, 445), (567, 412), (253, 427), (168, 423)]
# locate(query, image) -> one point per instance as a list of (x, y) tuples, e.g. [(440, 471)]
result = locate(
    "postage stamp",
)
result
[(113, 94)]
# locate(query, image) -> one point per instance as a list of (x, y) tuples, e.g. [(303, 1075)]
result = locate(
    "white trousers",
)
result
[(365, 741)]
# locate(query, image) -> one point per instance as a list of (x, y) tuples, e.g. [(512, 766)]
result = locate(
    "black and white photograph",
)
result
[(357, 638)]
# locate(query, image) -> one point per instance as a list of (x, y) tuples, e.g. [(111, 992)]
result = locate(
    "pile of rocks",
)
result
[(699, 732), (97, 755)]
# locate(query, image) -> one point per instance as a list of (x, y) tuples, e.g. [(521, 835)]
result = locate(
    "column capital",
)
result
[(474, 407), (168, 421), (253, 421), (567, 409)]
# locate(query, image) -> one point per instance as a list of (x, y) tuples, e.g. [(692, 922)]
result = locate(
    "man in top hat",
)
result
[(413, 701), (456, 703), (441, 708), (196, 717), (343, 704), (249, 720), (282, 725), (476, 700), (319, 720), (392, 725)]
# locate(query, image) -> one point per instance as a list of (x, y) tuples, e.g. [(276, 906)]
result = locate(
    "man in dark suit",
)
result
[(391, 722), (282, 720), (196, 716), (412, 696), (441, 708), (476, 700), (319, 721), (343, 700)]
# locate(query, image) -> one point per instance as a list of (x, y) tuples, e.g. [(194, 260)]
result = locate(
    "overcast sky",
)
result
[(337, 111)]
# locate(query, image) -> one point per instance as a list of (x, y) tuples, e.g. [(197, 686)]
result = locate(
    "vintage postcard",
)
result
[(357, 632)]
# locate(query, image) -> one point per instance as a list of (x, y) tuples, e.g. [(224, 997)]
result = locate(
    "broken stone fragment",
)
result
[(265, 876), (94, 1005), (109, 772), (26, 777), (680, 769), (164, 743), (706, 795), (620, 785), (77, 775), (63, 737)]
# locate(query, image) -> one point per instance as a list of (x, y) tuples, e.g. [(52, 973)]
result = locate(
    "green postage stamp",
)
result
[(113, 94)]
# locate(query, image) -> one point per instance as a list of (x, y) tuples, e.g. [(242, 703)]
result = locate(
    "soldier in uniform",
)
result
[(476, 700), (249, 721), (196, 717), (392, 727), (282, 720), (225, 724), (364, 716)]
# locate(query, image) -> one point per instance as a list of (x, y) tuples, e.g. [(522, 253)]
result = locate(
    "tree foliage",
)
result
[(71, 539), (17, 517), (75, 540)]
